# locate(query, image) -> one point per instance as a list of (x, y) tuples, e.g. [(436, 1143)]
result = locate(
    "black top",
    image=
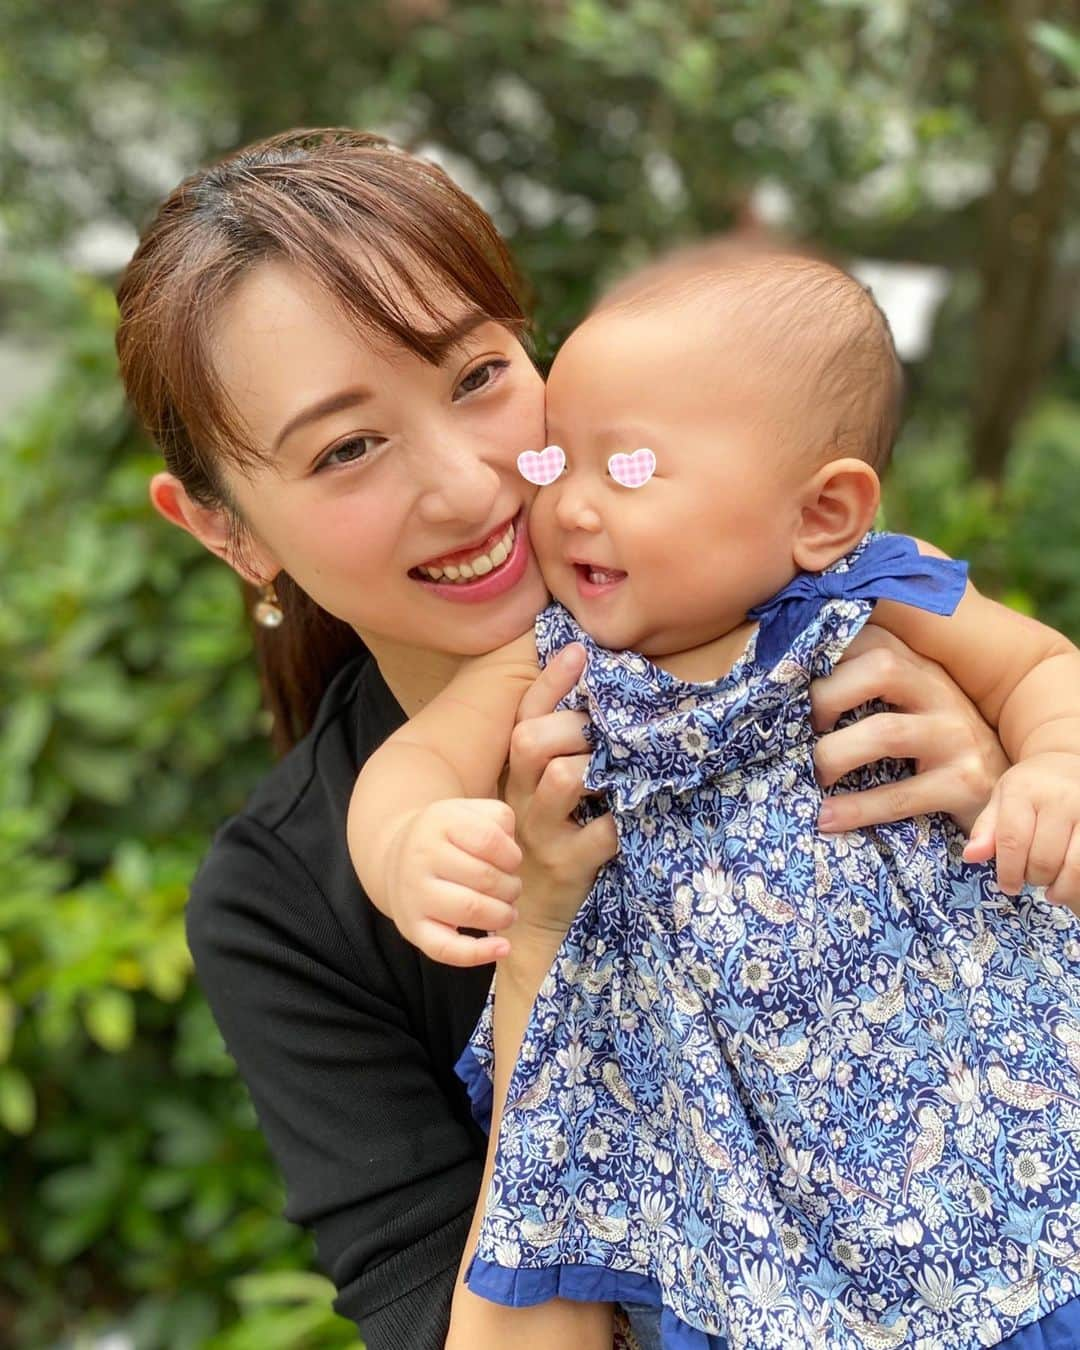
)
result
[(345, 1034)]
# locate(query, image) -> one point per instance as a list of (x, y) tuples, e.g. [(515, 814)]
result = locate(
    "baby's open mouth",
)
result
[(467, 565)]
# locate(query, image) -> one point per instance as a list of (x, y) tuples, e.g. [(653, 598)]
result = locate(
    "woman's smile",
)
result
[(482, 571)]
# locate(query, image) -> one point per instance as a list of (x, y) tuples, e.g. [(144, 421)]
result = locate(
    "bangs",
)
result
[(406, 257)]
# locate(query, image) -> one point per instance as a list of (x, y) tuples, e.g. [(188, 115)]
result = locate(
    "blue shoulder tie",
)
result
[(890, 567)]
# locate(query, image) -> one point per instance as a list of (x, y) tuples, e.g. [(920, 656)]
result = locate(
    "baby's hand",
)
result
[(1032, 824), (453, 865)]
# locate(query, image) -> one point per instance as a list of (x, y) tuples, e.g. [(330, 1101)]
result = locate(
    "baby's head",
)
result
[(767, 387)]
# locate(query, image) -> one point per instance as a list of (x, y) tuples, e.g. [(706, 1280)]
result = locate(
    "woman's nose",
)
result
[(459, 483)]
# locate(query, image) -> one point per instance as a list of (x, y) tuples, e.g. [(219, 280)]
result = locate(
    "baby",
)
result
[(790, 1087)]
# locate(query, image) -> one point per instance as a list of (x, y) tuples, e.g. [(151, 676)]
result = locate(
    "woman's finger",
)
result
[(553, 683), (931, 791), (597, 842), (875, 666), (559, 791), (879, 736), (535, 743)]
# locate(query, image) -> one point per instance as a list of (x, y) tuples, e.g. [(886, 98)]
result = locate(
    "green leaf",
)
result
[(1060, 43), (109, 1017), (18, 1108)]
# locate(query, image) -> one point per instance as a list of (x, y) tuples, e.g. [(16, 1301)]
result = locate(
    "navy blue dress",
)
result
[(797, 1090)]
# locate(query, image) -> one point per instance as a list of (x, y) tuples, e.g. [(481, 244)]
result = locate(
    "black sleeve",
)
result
[(373, 1157)]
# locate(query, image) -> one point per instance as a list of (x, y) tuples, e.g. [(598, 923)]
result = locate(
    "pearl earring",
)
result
[(267, 611)]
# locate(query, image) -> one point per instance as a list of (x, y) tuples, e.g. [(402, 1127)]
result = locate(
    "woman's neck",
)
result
[(414, 675)]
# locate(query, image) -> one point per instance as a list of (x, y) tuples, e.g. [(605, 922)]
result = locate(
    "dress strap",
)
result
[(890, 567)]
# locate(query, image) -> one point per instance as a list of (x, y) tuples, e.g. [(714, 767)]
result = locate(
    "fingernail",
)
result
[(826, 816)]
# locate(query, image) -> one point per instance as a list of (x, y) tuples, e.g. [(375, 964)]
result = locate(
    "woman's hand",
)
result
[(958, 757), (544, 784)]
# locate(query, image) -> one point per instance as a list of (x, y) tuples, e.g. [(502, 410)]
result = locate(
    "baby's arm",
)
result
[(432, 848), (1025, 679)]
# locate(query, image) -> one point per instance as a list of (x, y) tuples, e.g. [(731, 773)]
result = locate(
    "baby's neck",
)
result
[(711, 661)]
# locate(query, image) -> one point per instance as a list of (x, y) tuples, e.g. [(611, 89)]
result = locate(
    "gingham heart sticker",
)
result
[(632, 470), (542, 467)]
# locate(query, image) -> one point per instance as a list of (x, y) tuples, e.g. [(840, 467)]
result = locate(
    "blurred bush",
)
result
[(136, 1192)]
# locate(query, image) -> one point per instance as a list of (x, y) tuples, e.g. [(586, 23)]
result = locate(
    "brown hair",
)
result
[(373, 225)]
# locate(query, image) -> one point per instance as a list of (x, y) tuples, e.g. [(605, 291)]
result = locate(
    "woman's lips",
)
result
[(499, 580)]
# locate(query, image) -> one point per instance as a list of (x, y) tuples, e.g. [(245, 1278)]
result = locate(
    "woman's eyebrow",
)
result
[(346, 398), (453, 335)]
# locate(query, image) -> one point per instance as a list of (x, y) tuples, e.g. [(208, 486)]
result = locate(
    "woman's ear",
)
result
[(211, 526), (838, 507)]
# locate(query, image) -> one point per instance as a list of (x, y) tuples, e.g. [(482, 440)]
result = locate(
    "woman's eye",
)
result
[(480, 375), (349, 452)]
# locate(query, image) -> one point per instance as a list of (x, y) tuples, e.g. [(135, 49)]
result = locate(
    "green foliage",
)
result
[(133, 1178), (135, 1191), (1022, 537)]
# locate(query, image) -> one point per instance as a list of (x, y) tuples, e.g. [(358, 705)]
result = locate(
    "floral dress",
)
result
[(798, 1090)]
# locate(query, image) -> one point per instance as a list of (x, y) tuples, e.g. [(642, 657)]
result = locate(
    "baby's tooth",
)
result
[(450, 572), (482, 566), (465, 571)]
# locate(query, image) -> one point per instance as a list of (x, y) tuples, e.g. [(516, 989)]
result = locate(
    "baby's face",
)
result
[(677, 562)]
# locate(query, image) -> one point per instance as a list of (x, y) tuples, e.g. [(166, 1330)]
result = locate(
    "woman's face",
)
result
[(389, 480)]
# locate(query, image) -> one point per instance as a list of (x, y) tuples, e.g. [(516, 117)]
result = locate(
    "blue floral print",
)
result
[(799, 1090)]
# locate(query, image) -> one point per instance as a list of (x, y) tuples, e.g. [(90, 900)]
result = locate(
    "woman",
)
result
[(325, 337)]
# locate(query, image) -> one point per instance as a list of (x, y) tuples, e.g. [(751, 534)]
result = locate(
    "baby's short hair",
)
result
[(824, 326)]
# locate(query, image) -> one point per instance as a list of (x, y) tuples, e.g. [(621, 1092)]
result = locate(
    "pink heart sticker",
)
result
[(542, 467), (632, 470)]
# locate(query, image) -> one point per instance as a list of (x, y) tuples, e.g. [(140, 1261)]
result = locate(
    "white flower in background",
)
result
[(844, 1074)]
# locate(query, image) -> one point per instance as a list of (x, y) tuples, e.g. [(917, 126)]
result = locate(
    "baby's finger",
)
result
[(1066, 888), (553, 683), (883, 735), (485, 835), (1049, 843), (462, 907), (982, 839), (456, 867), (1015, 829), (451, 948)]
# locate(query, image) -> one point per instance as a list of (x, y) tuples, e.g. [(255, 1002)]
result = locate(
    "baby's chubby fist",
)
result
[(455, 865), (1032, 825)]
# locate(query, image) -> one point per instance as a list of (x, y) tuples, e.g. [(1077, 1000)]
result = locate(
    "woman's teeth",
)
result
[(478, 566)]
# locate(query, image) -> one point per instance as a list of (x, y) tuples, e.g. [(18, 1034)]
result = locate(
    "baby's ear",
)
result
[(838, 506)]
